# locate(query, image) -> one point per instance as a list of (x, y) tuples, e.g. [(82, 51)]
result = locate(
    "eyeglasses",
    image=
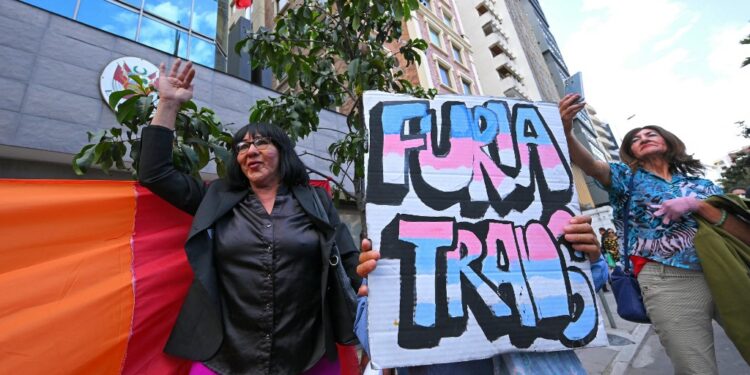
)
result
[(261, 144)]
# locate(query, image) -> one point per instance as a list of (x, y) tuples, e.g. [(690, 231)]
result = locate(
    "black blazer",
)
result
[(198, 332)]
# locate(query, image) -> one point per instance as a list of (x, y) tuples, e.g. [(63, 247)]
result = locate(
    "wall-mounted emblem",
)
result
[(118, 75)]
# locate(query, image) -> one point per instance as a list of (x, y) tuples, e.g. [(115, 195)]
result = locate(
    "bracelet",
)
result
[(723, 218)]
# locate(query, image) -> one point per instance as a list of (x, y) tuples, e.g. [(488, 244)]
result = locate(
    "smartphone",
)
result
[(574, 85)]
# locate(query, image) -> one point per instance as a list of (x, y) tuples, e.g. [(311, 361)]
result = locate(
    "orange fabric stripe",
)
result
[(66, 297)]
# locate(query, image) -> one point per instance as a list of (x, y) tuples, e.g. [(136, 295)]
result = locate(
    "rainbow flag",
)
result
[(92, 277)]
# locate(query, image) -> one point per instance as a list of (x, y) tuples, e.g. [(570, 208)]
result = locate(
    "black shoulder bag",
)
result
[(625, 286), (340, 297)]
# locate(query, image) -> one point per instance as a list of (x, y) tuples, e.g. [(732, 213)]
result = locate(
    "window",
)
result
[(457, 53), (482, 9), (62, 7), (177, 11), (168, 25), (205, 17), (495, 50), (435, 37), (445, 76), (163, 37), (202, 52), (185, 28), (109, 17), (447, 19), (488, 28), (135, 3), (466, 86)]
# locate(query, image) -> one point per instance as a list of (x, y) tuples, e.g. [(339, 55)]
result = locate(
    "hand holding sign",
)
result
[(368, 259), (580, 234)]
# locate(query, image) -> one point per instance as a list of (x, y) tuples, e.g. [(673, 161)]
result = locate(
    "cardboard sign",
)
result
[(466, 201)]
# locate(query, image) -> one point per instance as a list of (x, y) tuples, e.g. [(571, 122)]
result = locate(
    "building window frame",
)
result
[(466, 82), (444, 65), (438, 35), (144, 14), (457, 50), (447, 19)]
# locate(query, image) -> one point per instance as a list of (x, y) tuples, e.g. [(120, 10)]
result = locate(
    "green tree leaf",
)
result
[(116, 96)]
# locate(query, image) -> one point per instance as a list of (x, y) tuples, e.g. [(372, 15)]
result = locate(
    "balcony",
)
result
[(500, 60), (492, 25), (517, 91), (509, 69), (490, 16)]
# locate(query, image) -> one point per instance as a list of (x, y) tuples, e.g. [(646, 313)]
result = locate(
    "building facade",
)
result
[(448, 64), (604, 135), (51, 69), (549, 69), (498, 53)]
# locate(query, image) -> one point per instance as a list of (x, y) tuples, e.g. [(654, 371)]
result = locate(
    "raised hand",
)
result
[(174, 88), (568, 109), (177, 86)]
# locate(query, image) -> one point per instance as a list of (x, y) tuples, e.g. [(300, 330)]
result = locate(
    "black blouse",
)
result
[(269, 269)]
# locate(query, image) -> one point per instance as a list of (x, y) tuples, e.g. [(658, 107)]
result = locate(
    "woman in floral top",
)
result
[(660, 182)]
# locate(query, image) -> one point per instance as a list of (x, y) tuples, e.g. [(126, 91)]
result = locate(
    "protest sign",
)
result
[(466, 201)]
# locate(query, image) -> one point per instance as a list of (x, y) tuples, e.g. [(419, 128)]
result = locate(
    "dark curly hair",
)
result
[(679, 161), (291, 168)]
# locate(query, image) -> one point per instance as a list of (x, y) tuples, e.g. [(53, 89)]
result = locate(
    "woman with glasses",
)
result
[(258, 248), (659, 180)]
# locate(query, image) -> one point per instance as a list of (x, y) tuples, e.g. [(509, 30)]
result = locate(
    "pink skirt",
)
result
[(323, 367)]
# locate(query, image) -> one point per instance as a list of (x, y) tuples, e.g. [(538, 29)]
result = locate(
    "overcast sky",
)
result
[(668, 62)]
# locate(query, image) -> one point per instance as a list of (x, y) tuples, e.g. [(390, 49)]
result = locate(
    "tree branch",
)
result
[(316, 156), (332, 129), (338, 184)]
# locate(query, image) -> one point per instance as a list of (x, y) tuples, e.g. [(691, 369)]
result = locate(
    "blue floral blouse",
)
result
[(670, 244)]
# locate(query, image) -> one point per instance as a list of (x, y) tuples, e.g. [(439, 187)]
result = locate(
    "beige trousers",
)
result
[(681, 308)]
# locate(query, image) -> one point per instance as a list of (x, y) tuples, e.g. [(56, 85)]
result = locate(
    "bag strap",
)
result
[(625, 222)]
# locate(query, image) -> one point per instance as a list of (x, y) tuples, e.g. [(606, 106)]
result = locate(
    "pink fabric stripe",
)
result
[(162, 277)]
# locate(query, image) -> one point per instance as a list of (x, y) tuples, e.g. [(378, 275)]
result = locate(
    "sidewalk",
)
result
[(625, 339), (652, 359)]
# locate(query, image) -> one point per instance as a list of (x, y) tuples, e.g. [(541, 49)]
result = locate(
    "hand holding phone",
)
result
[(574, 85)]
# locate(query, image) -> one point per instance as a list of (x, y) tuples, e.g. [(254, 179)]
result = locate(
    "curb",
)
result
[(619, 365)]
